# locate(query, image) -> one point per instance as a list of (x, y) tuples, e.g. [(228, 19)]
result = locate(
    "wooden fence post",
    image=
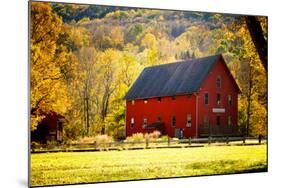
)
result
[(244, 140), (189, 140), (259, 138), (146, 143), (168, 141), (227, 140), (209, 140)]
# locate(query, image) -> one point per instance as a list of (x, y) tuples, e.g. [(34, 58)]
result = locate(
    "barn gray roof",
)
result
[(172, 79)]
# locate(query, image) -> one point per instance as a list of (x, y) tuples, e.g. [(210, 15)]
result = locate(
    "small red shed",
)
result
[(49, 129), (192, 98)]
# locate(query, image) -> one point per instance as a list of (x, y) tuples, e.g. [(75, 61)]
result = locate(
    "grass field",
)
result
[(84, 167)]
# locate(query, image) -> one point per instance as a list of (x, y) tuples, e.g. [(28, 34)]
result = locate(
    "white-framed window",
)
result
[(133, 102), (188, 123), (218, 98), (206, 98), (229, 99), (218, 81), (132, 122), (145, 101), (173, 121), (229, 120), (206, 121), (144, 122)]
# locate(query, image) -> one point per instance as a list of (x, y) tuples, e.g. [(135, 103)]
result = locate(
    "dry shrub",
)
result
[(98, 139), (102, 139), (140, 137), (85, 140), (155, 135), (137, 137)]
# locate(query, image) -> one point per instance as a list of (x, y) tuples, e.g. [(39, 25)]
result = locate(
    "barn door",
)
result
[(178, 133)]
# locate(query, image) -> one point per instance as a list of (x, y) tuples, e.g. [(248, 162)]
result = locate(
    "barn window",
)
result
[(229, 121), (145, 101), (188, 124), (159, 118), (218, 98), (206, 121), (173, 121), (229, 99), (218, 120), (159, 99), (132, 123), (206, 98), (174, 97), (144, 122), (133, 102), (218, 82)]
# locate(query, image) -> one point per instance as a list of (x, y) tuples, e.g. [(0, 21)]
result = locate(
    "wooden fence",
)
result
[(147, 144)]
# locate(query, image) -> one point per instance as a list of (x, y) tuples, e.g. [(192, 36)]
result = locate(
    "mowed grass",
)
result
[(85, 167)]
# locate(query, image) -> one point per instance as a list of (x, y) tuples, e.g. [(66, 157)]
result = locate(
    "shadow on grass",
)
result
[(227, 167)]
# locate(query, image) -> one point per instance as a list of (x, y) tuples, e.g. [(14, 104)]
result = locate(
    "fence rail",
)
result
[(147, 144), (215, 130)]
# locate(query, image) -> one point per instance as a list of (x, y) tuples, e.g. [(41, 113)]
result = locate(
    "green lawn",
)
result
[(83, 167)]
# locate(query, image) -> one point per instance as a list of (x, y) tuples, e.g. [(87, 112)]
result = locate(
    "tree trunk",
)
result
[(249, 101), (258, 39), (87, 114), (104, 111)]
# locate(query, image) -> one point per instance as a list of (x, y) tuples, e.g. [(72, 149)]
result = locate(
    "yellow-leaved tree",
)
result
[(47, 64)]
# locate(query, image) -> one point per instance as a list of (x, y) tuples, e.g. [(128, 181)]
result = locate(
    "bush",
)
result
[(34, 145), (51, 144), (102, 139), (85, 140), (137, 137), (155, 135), (164, 137), (140, 137)]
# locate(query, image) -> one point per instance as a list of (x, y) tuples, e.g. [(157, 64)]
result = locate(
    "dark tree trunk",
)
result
[(249, 101), (87, 115), (258, 39), (104, 111), (84, 114)]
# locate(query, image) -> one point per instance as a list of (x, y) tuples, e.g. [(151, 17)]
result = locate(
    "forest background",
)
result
[(84, 58)]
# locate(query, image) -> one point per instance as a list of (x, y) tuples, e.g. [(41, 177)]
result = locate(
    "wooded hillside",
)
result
[(84, 58)]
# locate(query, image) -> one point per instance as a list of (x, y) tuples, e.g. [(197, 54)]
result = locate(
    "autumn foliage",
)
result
[(82, 64)]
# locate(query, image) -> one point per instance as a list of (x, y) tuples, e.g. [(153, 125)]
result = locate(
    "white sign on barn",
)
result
[(219, 110)]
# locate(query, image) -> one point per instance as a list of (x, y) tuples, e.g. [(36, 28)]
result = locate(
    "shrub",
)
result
[(34, 145), (140, 137), (101, 139), (85, 140), (155, 135), (51, 144), (164, 137), (137, 137)]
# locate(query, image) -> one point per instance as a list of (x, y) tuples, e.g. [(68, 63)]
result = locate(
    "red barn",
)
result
[(192, 98)]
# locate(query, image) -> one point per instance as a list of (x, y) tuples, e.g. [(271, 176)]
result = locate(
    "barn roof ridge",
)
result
[(184, 76), (182, 61)]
